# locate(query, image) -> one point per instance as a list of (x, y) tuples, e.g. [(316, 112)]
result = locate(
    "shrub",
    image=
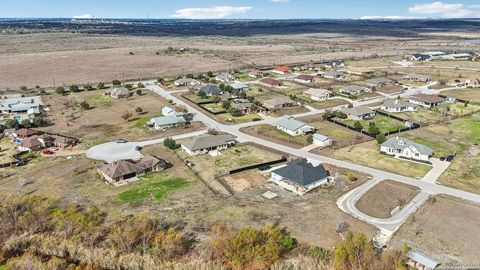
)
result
[(171, 144), (11, 123), (351, 176), (84, 105), (138, 109), (26, 123), (74, 88), (116, 82), (139, 92), (357, 125), (381, 138), (39, 122), (100, 85), (60, 90)]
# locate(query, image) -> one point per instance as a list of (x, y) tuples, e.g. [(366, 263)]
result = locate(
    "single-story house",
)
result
[(334, 64), (398, 105), (21, 108), (427, 101), (420, 261), (166, 111), (211, 90), (416, 77), (380, 81), (304, 79), (333, 75), (420, 57), (169, 121), (460, 82), (404, 148), (271, 82), (120, 92), (301, 176), (240, 87), (186, 82), (124, 171), (206, 143), (245, 106), (435, 54), (318, 94), (24, 133), (458, 56), (281, 70), (38, 142), (293, 126), (355, 90), (322, 140), (256, 74), (359, 113), (225, 77), (274, 104)]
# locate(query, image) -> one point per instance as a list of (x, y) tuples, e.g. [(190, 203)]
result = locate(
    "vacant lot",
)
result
[(246, 180), (105, 120), (444, 228), (152, 187), (425, 116), (271, 133), (330, 103), (368, 154), (470, 94), (383, 123), (7, 150), (385, 197)]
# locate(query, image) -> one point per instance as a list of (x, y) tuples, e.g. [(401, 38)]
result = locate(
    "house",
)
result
[(427, 101), (404, 148), (211, 90), (355, 90), (416, 78), (166, 111), (225, 77), (334, 64), (186, 82), (435, 54), (398, 105), (360, 71), (293, 126), (461, 82), (239, 87), (458, 56), (245, 106), (62, 142), (380, 81), (359, 113), (420, 261), (39, 142), (124, 171), (333, 75), (420, 57), (24, 133), (120, 92), (271, 82), (256, 74), (281, 70), (318, 94), (278, 103), (169, 121), (21, 108), (206, 143), (304, 79), (300, 176), (321, 140)]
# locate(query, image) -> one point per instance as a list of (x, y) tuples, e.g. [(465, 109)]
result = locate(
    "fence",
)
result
[(18, 160), (351, 128), (256, 166), (201, 105)]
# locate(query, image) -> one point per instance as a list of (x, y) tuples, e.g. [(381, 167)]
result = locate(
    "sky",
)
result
[(239, 9)]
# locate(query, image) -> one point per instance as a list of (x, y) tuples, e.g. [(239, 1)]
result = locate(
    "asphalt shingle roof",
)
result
[(400, 143), (302, 172), (290, 123)]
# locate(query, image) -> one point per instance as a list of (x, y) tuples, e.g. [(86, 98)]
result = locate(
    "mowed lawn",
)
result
[(384, 123), (271, 133), (470, 94), (423, 116), (368, 154), (152, 187)]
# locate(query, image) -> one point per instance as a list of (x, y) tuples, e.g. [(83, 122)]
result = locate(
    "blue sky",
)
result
[(249, 9)]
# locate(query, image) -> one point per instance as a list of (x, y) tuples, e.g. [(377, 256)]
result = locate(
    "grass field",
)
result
[(7, 150), (214, 107), (228, 118), (99, 100), (470, 94), (271, 133), (423, 116), (330, 103), (152, 187), (384, 123), (368, 154), (384, 197)]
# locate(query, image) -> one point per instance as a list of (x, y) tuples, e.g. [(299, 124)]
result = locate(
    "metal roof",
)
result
[(423, 259), (290, 123)]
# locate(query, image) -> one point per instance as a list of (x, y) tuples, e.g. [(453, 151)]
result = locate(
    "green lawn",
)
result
[(244, 77), (3, 267), (152, 187), (99, 100), (384, 123), (141, 122), (440, 148), (214, 107)]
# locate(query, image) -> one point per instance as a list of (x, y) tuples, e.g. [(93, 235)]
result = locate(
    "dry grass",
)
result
[(384, 197), (7, 150)]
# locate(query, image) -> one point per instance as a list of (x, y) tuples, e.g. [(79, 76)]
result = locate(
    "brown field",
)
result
[(446, 229), (384, 197), (246, 180)]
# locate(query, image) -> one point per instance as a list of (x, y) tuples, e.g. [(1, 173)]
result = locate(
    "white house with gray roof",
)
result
[(404, 148), (225, 77), (355, 90), (318, 94), (300, 176), (359, 113), (169, 121), (21, 108), (398, 105), (293, 126), (206, 143), (321, 140)]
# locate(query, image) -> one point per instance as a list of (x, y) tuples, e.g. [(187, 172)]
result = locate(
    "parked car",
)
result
[(121, 141), (138, 148)]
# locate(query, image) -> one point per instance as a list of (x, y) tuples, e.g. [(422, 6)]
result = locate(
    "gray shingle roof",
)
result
[(177, 118), (208, 141), (358, 111), (211, 89), (397, 103), (400, 143), (302, 172), (290, 123)]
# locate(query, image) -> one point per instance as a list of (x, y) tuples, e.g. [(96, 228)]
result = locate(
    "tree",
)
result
[(139, 92), (84, 105), (127, 115), (116, 82), (160, 80), (140, 85), (100, 85), (171, 144), (210, 74), (202, 94), (351, 176), (138, 110), (39, 122), (74, 88), (310, 139), (357, 125), (355, 252), (26, 123), (373, 129), (129, 86), (60, 90), (234, 112), (226, 104), (88, 87), (381, 138), (11, 123)]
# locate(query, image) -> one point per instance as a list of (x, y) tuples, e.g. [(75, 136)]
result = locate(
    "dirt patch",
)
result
[(385, 197), (445, 228), (243, 181)]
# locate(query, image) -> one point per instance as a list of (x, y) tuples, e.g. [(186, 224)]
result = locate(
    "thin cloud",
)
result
[(389, 18), (216, 12), (84, 16), (279, 1), (443, 10)]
